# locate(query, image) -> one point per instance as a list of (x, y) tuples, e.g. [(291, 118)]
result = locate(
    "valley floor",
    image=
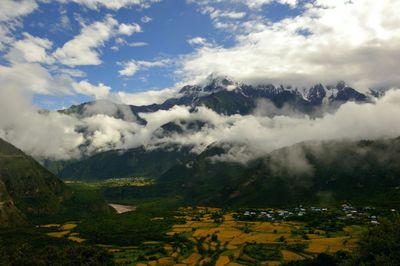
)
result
[(211, 236)]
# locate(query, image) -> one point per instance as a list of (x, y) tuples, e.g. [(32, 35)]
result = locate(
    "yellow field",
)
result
[(64, 230), (231, 236), (76, 239), (192, 259), (58, 234), (211, 232), (288, 255), (69, 226), (222, 261), (330, 245), (49, 225)]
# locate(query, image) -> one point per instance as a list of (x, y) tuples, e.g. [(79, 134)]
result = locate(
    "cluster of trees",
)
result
[(25, 254), (130, 228)]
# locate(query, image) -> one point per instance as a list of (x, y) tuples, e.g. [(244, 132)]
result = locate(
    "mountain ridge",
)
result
[(228, 97), (312, 172)]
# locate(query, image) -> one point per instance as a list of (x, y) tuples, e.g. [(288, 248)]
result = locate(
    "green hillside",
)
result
[(28, 188), (137, 162)]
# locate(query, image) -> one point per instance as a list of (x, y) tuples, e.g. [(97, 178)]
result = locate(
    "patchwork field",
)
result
[(63, 230), (210, 236)]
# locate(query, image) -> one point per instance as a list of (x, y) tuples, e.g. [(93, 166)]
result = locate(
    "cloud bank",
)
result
[(356, 41), (54, 135)]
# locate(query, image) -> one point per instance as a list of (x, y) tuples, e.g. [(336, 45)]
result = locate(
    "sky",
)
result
[(83, 50), (55, 53), (114, 46)]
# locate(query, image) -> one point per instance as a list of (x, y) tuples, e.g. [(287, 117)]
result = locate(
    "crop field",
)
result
[(113, 182), (63, 231), (211, 236)]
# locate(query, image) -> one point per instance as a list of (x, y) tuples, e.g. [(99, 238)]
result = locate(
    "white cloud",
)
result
[(33, 78), (360, 47), (253, 4), (65, 22), (129, 29), (138, 44), (31, 49), (198, 41), (5, 36), (43, 135), (113, 4), (10, 13), (82, 50), (261, 135), (145, 98), (130, 68), (11, 9), (146, 19), (216, 13), (30, 78), (99, 92), (260, 3)]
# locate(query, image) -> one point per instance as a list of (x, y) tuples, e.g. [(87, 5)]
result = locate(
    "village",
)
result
[(346, 212)]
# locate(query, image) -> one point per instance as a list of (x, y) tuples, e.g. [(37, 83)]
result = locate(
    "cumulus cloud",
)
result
[(260, 3), (33, 78), (43, 135), (82, 50), (31, 49), (131, 67), (198, 41), (129, 29), (11, 9), (113, 4), (146, 97), (360, 47), (10, 13), (100, 91), (253, 4)]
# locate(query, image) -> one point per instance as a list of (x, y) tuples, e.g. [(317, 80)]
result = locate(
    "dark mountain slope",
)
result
[(10, 216), (104, 107), (137, 162), (26, 187), (307, 172)]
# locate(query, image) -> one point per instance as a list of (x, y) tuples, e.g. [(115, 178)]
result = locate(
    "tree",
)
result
[(379, 246)]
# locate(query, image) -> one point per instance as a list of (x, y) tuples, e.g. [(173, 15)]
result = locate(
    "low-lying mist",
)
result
[(106, 126)]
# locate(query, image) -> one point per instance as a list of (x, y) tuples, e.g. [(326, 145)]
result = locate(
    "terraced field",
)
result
[(210, 236)]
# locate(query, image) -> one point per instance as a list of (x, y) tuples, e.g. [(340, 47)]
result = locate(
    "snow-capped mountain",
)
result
[(228, 97)]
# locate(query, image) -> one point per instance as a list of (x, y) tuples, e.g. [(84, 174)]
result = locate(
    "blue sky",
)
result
[(81, 50), (166, 27), (172, 23)]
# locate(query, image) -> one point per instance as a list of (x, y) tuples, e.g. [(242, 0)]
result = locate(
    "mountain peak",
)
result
[(211, 85), (219, 81)]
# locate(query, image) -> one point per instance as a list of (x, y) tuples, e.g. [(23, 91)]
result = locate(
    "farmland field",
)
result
[(211, 236)]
